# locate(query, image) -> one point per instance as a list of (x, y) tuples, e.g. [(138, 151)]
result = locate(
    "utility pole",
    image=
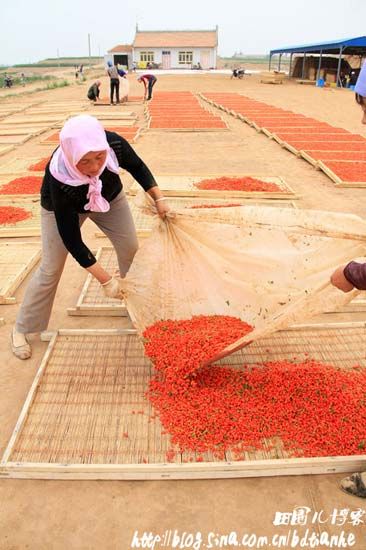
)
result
[(58, 56), (89, 45)]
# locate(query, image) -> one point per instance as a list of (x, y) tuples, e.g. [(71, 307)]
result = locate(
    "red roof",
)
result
[(121, 48), (175, 39)]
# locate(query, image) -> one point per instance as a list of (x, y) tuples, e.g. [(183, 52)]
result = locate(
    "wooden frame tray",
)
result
[(183, 186), (21, 131), (6, 178), (92, 301), (104, 115), (15, 140), (27, 228), (337, 179), (5, 149), (309, 158), (16, 261), (18, 166), (37, 119), (86, 416), (55, 141)]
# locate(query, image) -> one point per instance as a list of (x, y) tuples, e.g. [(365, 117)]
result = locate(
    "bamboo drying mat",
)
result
[(20, 166), (144, 223), (5, 111), (287, 146), (7, 178), (105, 115), (30, 227), (53, 112), (306, 156), (15, 140), (357, 304), (53, 138), (86, 416), (314, 157), (36, 119), (6, 130), (5, 149), (118, 122), (186, 129), (337, 179), (16, 261), (183, 186), (92, 300)]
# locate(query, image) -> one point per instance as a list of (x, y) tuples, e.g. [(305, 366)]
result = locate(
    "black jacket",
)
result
[(68, 202)]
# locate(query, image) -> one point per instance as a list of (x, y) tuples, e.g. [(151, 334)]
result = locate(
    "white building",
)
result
[(176, 49), (120, 55)]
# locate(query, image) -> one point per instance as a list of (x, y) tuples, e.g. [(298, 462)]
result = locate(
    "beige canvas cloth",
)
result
[(269, 266)]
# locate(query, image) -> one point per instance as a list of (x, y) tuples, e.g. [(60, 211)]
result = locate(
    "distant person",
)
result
[(94, 90), (343, 79), (22, 79), (353, 76), (134, 66), (8, 81), (112, 72), (149, 81), (238, 72)]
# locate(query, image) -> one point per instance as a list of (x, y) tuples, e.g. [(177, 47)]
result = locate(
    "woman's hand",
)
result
[(339, 280), (162, 207), (113, 288), (161, 204)]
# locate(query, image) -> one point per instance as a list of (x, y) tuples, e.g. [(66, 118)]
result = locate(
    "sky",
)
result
[(32, 31)]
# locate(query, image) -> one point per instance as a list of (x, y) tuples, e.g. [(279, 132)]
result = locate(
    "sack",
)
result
[(124, 88), (268, 266)]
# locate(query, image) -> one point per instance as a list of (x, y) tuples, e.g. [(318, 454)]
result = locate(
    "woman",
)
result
[(81, 181), (346, 278)]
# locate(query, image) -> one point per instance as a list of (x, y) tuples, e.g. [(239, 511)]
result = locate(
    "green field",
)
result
[(63, 62)]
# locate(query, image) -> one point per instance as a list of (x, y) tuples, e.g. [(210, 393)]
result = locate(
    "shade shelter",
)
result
[(347, 46)]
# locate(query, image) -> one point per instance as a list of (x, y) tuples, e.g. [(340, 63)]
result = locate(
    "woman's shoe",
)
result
[(19, 345), (355, 484)]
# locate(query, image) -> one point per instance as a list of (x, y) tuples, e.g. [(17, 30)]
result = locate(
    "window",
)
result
[(185, 58), (147, 56)]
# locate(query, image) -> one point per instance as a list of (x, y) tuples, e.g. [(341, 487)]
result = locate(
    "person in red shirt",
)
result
[(148, 81)]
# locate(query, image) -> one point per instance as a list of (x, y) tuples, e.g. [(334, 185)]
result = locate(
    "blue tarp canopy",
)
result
[(350, 46)]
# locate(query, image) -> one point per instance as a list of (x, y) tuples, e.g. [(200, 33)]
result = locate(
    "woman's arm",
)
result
[(99, 273), (130, 161), (67, 220)]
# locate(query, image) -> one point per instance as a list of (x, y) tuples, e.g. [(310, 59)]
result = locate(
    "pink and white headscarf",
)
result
[(81, 135)]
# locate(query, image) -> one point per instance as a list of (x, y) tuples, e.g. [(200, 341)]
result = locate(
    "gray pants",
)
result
[(117, 224)]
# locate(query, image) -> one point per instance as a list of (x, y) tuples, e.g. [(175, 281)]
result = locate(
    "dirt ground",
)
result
[(88, 515)]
